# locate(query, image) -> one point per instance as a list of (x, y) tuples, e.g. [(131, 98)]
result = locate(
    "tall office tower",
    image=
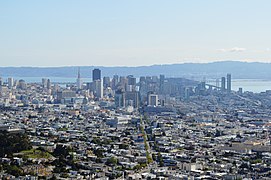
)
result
[(152, 99), (142, 85), (131, 83), (123, 82), (223, 84), (1, 81), (161, 85), (131, 80), (44, 82), (120, 98), (132, 98), (115, 82), (10, 83), (98, 88), (129, 88), (106, 82), (90, 86), (79, 80), (48, 85), (96, 74), (229, 83), (142, 79)]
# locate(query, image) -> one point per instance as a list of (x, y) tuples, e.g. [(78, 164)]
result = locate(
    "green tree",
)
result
[(14, 170), (99, 153), (112, 161), (13, 143)]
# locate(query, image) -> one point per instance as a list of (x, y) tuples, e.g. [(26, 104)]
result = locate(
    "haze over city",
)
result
[(133, 33)]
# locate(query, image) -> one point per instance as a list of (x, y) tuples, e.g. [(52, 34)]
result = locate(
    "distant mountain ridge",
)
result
[(238, 69)]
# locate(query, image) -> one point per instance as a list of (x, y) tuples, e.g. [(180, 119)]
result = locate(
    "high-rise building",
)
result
[(98, 88), (161, 84), (48, 85), (96, 74), (120, 98), (132, 98), (223, 84), (79, 80), (142, 79), (131, 85), (153, 100), (44, 82), (115, 81), (228, 83), (131, 80), (123, 81), (106, 82), (10, 83), (240, 90)]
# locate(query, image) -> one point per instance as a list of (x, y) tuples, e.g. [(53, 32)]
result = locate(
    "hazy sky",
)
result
[(133, 32)]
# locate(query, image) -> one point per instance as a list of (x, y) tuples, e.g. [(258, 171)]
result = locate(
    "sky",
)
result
[(133, 32)]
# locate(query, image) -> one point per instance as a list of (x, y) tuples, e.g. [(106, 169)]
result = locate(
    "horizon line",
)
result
[(120, 66)]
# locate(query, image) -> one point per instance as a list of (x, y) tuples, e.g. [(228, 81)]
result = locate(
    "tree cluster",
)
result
[(13, 143)]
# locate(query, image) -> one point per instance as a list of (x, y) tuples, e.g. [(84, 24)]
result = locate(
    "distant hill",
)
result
[(242, 70)]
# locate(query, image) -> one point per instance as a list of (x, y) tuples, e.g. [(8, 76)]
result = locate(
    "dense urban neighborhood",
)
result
[(133, 128)]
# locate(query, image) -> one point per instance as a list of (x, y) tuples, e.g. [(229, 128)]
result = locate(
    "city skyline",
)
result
[(126, 33), (135, 89)]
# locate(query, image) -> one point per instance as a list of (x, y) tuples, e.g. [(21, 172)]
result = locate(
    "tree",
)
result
[(14, 170), (112, 161), (62, 150), (99, 153), (13, 143), (124, 146)]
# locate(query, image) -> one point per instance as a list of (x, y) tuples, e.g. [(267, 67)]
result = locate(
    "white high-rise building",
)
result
[(79, 82), (153, 100), (229, 83), (98, 88)]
